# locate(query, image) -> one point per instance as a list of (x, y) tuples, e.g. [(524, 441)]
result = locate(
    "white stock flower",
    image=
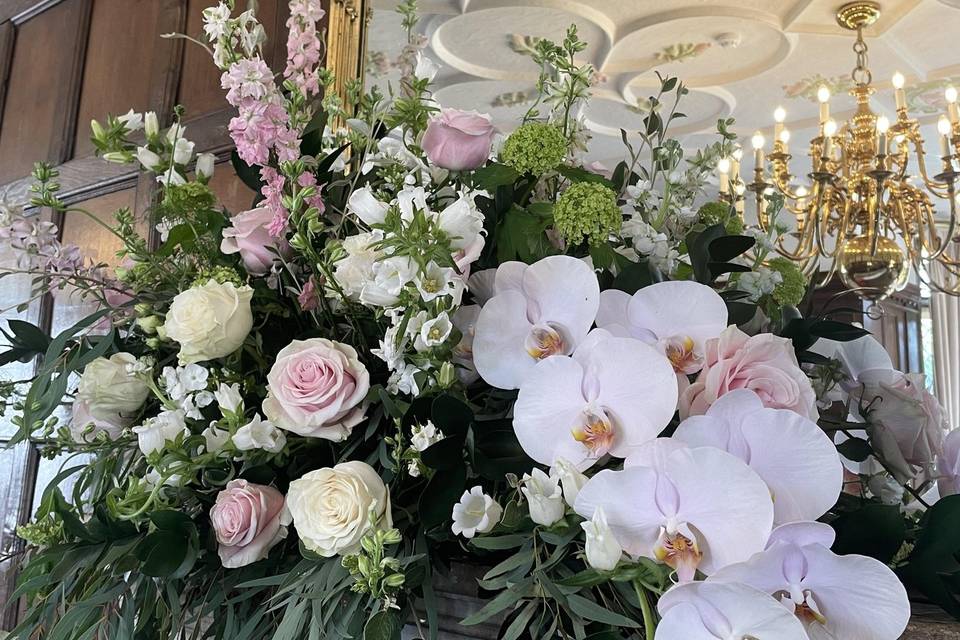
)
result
[(544, 497), (571, 480), (210, 320), (110, 390), (538, 311), (355, 272), (677, 317), (332, 508), (228, 398), (155, 432), (423, 436), (602, 549), (259, 434), (759, 283), (475, 513), (651, 244)]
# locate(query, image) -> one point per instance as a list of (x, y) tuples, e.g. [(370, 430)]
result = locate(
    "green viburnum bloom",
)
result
[(720, 213), (587, 210), (794, 285), (220, 274), (536, 147)]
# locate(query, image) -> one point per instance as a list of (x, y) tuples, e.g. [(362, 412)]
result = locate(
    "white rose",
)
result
[(209, 321), (332, 507), (602, 549), (155, 432), (259, 434), (544, 497), (109, 392)]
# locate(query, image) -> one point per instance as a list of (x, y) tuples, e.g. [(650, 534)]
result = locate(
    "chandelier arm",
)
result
[(817, 234), (927, 277), (830, 273), (951, 226), (939, 189)]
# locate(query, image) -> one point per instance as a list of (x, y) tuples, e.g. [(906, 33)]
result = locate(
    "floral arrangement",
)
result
[(429, 343)]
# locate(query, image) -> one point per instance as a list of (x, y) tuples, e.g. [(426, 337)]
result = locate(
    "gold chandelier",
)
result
[(861, 212)]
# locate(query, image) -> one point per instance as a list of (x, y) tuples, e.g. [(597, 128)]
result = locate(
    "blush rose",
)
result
[(248, 520), (458, 140)]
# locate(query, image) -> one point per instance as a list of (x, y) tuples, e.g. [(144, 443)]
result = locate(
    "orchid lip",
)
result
[(680, 551), (595, 430), (543, 341), (680, 351)]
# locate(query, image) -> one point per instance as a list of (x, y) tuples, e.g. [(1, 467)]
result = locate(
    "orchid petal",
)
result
[(564, 291), (679, 307), (481, 285), (498, 351), (509, 276), (628, 500), (654, 454), (712, 610), (803, 533)]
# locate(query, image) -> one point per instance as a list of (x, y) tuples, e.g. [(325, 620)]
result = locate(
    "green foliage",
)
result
[(534, 148), (587, 211), (794, 285), (721, 213)]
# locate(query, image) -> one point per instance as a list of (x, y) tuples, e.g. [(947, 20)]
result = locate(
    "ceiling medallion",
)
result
[(866, 210)]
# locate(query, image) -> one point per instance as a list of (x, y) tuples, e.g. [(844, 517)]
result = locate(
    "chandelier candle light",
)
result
[(861, 215)]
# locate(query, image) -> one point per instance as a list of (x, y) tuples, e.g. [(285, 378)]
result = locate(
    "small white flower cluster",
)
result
[(421, 438), (655, 246), (228, 34), (187, 388), (255, 434), (759, 282), (762, 238)]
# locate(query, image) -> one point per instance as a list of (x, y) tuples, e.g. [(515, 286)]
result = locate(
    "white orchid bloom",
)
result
[(695, 509), (677, 316), (796, 459), (864, 357), (850, 597), (481, 285), (547, 310), (613, 395), (717, 611)]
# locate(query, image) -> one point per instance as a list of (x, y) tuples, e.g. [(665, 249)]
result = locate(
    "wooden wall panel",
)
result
[(200, 90), (230, 190), (40, 105), (123, 43)]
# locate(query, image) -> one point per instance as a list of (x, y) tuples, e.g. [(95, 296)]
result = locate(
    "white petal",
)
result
[(724, 611), (803, 533), (732, 405), (628, 500), (734, 515), (654, 454), (509, 275), (856, 356), (793, 455), (565, 291), (480, 285), (613, 307), (365, 206), (498, 343), (637, 387), (679, 308), (547, 408)]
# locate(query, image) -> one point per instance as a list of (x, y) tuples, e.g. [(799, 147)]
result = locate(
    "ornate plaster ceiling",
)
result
[(739, 57)]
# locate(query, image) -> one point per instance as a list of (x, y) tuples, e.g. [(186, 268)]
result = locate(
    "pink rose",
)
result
[(458, 140), (948, 465), (249, 236), (905, 421), (315, 389), (764, 363), (248, 519)]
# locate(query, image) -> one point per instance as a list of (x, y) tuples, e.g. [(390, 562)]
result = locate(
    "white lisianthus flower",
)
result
[(155, 432), (228, 398), (110, 390), (205, 164), (571, 480), (259, 434), (149, 160), (333, 508), (215, 437), (433, 332), (602, 549), (423, 436), (182, 151), (355, 272), (544, 497), (131, 120), (210, 320), (475, 513)]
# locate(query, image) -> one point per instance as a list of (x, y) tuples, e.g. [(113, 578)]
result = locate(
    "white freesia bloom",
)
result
[(355, 272), (228, 398), (570, 479), (259, 434), (155, 432), (332, 507), (678, 317), (851, 597), (422, 437), (611, 396), (717, 611), (475, 513), (796, 459), (110, 390), (544, 497), (538, 311), (210, 320), (601, 547), (690, 509)]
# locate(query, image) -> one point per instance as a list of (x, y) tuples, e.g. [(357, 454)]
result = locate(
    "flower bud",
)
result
[(204, 166), (602, 549), (151, 126), (544, 498), (394, 580), (149, 324), (118, 157), (148, 159), (98, 133), (447, 375)]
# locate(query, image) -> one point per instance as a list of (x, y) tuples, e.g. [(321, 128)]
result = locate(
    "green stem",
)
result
[(649, 624)]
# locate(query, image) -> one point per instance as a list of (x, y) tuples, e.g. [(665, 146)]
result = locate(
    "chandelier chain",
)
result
[(861, 73)]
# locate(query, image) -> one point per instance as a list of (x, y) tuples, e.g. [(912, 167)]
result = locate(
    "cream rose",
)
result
[(248, 519), (209, 321), (108, 395), (315, 388), (333, 508)]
